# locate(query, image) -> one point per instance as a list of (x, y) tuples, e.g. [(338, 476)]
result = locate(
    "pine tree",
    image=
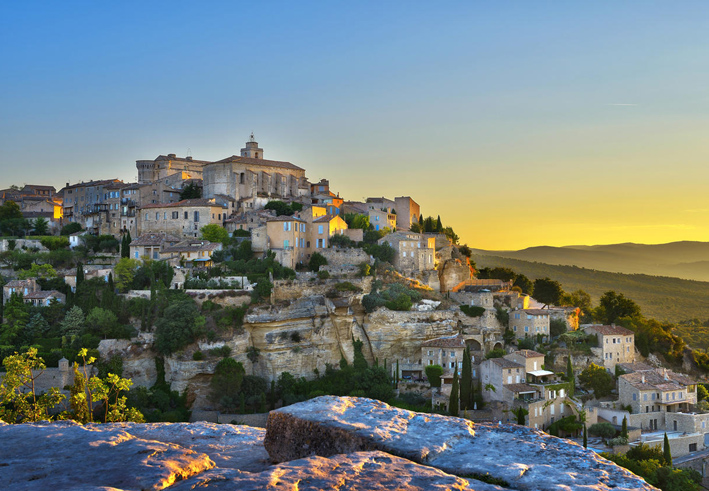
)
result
[(453, 404), (624, 428), (73, 323), (466, 382), (585, 436), (666, 452)]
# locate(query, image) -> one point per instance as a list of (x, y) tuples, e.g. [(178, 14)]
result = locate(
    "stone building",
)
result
[(190, 253), (446, 352), (87, 203), (413, 252), (529, 322), (44, 298), (168, 165), (151, 245), (288, 238), (248, 220), (617, 344), (184, 218), (252, 180), (407, 212), (21, 287), (657, 390)]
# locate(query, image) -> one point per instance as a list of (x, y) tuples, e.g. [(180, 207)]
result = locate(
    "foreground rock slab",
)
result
[(372, 471), (525, 458), (66, 455)]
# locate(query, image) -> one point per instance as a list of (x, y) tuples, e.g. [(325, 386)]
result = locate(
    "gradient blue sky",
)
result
[(520, 123)]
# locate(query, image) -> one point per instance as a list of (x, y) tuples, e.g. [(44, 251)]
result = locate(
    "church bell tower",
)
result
[(252, 150)]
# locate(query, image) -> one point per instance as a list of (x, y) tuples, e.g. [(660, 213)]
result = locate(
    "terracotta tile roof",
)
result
[(635, 367), (517, 388), (505, 363), (325, 218), (102, 182), (42, 295), (534, 311), (446, 342), (154, 239), (192, 246), (611, 330), (19, 283), (235, 159), (285, 218), (184, 202), (658, 379), (528, 353)]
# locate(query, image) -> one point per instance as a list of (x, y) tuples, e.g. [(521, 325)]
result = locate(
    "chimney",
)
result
[(665, 374), (171, 155), (188, 158), (67, 184), (643, 379)]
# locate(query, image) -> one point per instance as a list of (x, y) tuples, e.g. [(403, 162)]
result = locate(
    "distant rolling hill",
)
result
[(660, 297), (688, 260)]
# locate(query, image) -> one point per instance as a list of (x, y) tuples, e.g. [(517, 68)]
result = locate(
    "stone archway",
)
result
[(498, 345), (473, 345)]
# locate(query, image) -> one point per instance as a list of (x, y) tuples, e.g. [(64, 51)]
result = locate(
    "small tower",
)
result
[(64, 372), (252, 150)]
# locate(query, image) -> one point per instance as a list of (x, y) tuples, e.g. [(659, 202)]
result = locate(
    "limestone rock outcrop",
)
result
[(326, 443), (525, 458)]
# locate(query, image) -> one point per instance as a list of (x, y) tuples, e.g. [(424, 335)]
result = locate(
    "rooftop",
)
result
[(154, 239), (528, 353), (658, 379), (236, 159), (505, 363), (611, 330), (184, 202), (445, 342)]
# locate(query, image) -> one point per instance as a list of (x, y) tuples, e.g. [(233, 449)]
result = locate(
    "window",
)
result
[(164, 216), (430, 353), (196, 216), (526, 328), (285, 243), (186, 215), (452, 354), (514, 328), (644, 397), (452, 364), (286, 226), (136, 255), (157, 215), (517, 316), (692, 447), (175, 215), (320, 229)]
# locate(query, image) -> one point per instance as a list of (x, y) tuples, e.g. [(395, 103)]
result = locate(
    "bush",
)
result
[(316, 260), (472, 310), (433, 374), (70, 228), (603, 430), (496, 353), (617, 442), (223, 351), (198, 356), (323, 275)]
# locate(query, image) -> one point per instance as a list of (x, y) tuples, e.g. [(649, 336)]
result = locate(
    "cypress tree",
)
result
[(666, 452), (466, 381), (570, 375), (439, 225), (396, 376), (453, 404), (79, 273), (585, 437), (624, 428)]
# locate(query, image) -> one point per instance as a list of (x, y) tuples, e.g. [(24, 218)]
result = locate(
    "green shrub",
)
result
[(198, 356), (323, 275), (603, 430), (472, 310), (223, 351)]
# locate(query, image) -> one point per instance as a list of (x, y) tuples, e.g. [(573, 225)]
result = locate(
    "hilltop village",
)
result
[(243, 268)]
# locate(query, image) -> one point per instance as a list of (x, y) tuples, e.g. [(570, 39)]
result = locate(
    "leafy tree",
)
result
[(74, 322), (40, 226), (496, 353), (225, 386), (243, 251), (433, 374), (524, 283), (465, 250), (316, 260), (71, 228), (603, 430), (557, 327), (191, 191), (37, 271), (101, 321), (215, 233), (548, 291), (253, 354), (179, 326), (614, 306), (597, 379), (582, 300), (15, 315), (10, 210), (355, 220), (55, 243), (282, 208), (453, 407), (19, 402), (124, 273), (80, 406), (702, 393)]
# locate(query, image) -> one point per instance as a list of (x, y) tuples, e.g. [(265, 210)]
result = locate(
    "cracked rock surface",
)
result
[(332, 443)]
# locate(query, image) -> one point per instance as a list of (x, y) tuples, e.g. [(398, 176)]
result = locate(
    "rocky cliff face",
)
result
[(326, 443)]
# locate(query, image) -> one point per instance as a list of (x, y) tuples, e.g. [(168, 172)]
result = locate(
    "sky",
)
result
[(520, 123)]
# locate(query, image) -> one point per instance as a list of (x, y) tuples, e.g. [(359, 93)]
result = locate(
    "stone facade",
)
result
[(168, 165), (529, 322), (184, 218), (407, 212), (658, 390), (616, 343), (413, 252)]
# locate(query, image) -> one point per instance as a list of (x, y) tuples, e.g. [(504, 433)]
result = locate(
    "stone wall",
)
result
[(294, 289), (22, 243), (337, 258)]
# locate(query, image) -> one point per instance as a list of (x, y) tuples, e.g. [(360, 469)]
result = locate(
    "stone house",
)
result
[(616, 343), (657, 390), (184, 218), (568, 315), (191, 253), (413, 252), (168, 165), (381, 213), (529, 322), (248, 220), (407, 212), (134, 196), (87, 203), (150, 245), (446, 352), (44, 298), (287, 236), (21, 287)]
